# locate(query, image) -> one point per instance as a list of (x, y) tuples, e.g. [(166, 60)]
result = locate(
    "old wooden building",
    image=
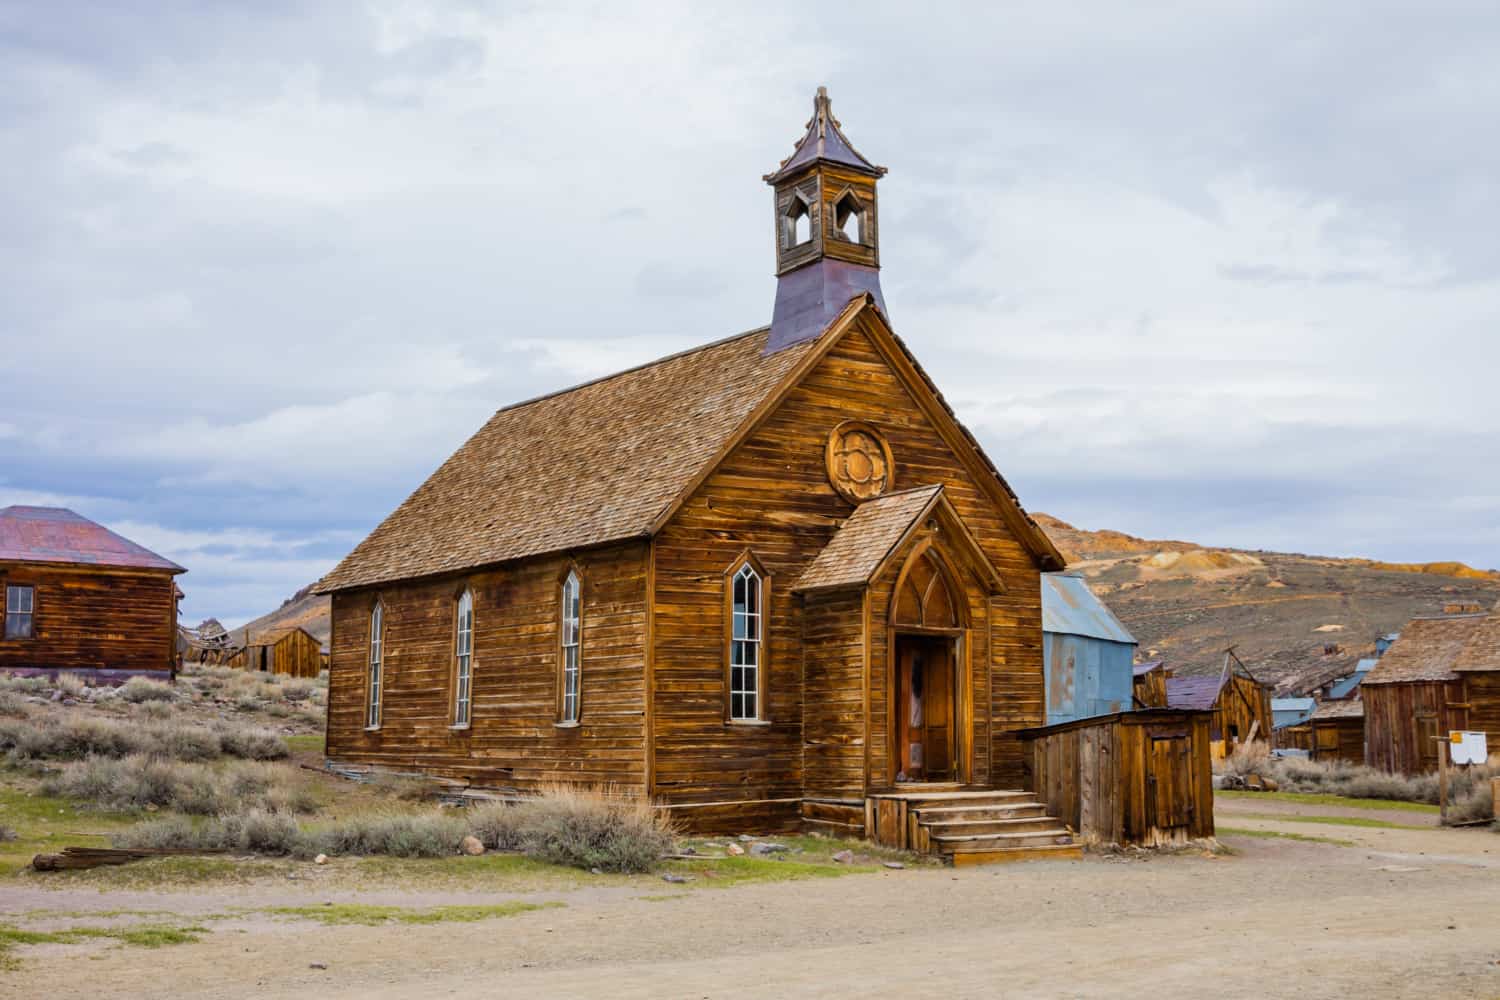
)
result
[(1149, 684), (82, 599), (1441, 675), (762, 581), (1335, 731), (1241, 705), (1087, 653), (294, 652)]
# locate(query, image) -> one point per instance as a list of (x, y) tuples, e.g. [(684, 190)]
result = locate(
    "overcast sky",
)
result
[(1231, 276)]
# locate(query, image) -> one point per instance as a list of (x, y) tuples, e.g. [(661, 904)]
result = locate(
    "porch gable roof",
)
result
[(871, 536)]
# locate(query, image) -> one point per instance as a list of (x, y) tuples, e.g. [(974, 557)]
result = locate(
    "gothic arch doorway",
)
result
[(928, 617)]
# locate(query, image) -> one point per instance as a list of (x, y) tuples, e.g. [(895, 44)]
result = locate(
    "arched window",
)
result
[(746, 666), (571, 660), (374, 678), (464, 660)]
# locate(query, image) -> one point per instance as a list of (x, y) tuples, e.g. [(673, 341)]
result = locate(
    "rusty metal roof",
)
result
[(1070, 607), (57, 535), (1194, 692), (1147, 667)]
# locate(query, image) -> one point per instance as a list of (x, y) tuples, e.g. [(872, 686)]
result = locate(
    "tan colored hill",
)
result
[(1294, 619), (303, 609)]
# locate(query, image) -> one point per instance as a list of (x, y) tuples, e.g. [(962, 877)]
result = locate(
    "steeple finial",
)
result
[(825, 140)]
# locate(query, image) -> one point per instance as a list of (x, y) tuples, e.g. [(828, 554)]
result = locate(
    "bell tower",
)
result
[(827, 230)]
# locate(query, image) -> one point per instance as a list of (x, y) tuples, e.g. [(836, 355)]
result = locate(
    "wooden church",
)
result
[(769, 581)]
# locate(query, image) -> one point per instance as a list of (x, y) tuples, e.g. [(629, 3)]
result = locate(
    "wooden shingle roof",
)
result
[(587, 466), (1345, 709), (1482, 651), (1427, 650), (866, 538)]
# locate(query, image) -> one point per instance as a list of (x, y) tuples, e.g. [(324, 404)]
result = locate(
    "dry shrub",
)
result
[(71, 685), (13, 704), (406, 787), (251, 744), (24, 685), (156, 711), (8, 834), (139, 781), (246, 703), (1355, 781), (1477, 803), (1247, 759), (139, 689), (402, 835), (593, 827), (255, 831), (296, 689), (75, 738), (497, 825)]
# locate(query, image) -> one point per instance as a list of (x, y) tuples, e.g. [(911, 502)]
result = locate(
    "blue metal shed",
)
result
[(1291, 711), (1088, 656)]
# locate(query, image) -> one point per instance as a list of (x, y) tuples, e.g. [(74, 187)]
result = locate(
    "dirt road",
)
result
[(1384, 912)]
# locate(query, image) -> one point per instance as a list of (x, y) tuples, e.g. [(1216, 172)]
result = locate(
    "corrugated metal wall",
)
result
[(1086, 676)]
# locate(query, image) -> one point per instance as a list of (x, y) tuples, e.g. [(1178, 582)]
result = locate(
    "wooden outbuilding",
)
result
[(294, 652), (764, 581), (1336, 731), (1149, 684), (1142, 777), (1241, 705), (1087, 652), (1441, 675), (79, 598)]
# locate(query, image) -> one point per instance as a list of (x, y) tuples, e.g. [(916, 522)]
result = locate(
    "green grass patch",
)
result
[(1321, 799), (304, 742), (1235, 831), (1361, 821), (171, 873), (369, 916), (45, 824), (721, 872), (140, 936)]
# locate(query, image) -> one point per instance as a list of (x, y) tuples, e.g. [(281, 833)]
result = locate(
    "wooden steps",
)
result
[(968, 825)]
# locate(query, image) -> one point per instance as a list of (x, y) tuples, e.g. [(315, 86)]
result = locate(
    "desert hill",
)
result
[(1294, 619), (304, 609)]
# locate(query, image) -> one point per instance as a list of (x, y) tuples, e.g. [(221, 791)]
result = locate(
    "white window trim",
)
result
[(13, 593), (463, 675), (571, 650), (745, 645), (375, 669)]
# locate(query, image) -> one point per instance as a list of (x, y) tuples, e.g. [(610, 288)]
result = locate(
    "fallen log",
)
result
[(73, 858)]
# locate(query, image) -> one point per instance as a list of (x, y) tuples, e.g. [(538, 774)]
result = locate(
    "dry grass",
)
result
[(1469, 795), (142, 782), (584, 827), (76, 737), (71, 685), (139, 689)]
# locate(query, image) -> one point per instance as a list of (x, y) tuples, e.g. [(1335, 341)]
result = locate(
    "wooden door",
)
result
[(937, 737), (1168, 782), (1427, 749)]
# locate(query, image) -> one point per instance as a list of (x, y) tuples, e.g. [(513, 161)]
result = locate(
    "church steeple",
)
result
[(827, 229)]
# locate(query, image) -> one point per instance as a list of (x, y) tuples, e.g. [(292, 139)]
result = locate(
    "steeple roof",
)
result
[(824, 141)]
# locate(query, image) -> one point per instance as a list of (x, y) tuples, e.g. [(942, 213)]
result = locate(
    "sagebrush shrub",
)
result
[(70, 685), (139, 689), (497, 825), (591, 827), (403, 835)]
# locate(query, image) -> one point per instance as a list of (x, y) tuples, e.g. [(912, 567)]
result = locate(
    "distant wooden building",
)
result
[(1336, 731), (763, 581), (1441, 675), (1241, 706), (1149, 684), (1087, 653), (80, 598), (293, 652)]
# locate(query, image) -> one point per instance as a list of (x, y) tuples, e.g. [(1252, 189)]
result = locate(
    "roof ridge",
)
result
[(686, 352)]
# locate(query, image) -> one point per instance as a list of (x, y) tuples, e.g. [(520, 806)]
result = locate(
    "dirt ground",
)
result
[(1397, 910)]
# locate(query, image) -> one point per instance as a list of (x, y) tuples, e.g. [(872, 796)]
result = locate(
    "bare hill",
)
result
[(1294, 619), (303, 609)]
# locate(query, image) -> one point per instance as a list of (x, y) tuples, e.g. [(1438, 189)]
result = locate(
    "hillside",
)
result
[(1293, 618), (303, 609)]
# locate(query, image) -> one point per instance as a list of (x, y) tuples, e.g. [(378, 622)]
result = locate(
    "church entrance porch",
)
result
[(926, 668)]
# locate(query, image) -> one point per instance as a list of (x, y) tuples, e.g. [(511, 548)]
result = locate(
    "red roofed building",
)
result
[(77, 597)]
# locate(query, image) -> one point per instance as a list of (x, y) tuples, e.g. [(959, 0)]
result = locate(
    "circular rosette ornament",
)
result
[(859, 461)]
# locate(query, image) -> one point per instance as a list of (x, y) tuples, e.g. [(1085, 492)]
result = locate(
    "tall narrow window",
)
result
[(745, 644), (464, 652), (18, 610), (571, 648), (377, 652)]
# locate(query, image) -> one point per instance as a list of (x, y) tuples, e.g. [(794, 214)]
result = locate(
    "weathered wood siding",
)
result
[(1150, 689), (294, 654), (1130, 778), (771, 495), (93, 619), (1401, 720), (1482, 693), (1339, 739), (834, 711), (513, 740), (1244, 706)]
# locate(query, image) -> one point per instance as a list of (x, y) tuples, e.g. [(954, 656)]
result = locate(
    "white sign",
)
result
[(1467, 748)]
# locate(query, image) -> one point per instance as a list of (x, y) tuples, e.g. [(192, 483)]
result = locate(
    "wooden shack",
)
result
[(762, 581), (293, 652), (79, 598), (1149, 684), (1143, 777), (1336, 731), (1240, 704), (1441, 675)]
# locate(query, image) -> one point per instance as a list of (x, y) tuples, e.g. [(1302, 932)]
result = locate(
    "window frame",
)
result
[(761, 717), (30, 612), (573, 576), (375, 668), (462, 677)]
